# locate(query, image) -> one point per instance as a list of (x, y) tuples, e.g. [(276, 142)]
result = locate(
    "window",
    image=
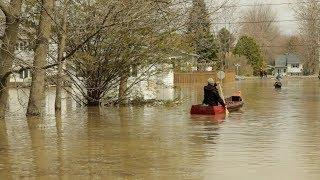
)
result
[(24, 74), (21, 46), (295, 65), (28, 74), (21, 74)]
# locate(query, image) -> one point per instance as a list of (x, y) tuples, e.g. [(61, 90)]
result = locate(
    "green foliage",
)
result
[(207, 48), (199, 18), (226, 40), (199, 35), (248, 47)]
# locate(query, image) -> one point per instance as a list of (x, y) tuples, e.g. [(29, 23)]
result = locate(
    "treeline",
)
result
[(223, 48), (105, 48), (308, 41), (257, 40), (101, 48), (93, 45)]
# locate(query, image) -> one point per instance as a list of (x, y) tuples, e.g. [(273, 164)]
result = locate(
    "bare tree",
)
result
[(106, 62), (308, 14), (259, 23), (105, 43), (36, 98), (12, 13), (294, 44)]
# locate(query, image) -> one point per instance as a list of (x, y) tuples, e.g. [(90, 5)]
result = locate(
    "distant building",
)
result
[(288, 64), (24, 56)]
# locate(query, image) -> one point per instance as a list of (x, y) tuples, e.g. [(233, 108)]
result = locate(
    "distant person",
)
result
[(278, 77), (211, 94), (262, 73), (278, 83)]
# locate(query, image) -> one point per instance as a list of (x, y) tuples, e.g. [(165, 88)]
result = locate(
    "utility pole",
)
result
[(237, 66)]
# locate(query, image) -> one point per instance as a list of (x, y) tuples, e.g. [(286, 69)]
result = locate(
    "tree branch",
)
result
[(4, 8), (71, 53)]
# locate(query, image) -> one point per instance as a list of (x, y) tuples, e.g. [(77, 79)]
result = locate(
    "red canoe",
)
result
[(234, 103)]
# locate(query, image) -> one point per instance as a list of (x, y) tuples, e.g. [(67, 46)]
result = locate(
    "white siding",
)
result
[(24, 57), (295, 70)]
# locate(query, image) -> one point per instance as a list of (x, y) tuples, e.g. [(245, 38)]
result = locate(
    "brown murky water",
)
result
[(276, 136)]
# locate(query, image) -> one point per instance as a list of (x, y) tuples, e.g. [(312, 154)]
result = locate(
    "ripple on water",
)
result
[(275, 136)]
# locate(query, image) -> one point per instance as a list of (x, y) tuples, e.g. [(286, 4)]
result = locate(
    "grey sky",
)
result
[(284, 12)]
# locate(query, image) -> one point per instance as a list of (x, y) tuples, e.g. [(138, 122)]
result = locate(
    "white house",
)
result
[(288, 64), (24, 57)]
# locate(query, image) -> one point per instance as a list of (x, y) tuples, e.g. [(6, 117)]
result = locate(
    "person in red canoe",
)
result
[(211, 94)]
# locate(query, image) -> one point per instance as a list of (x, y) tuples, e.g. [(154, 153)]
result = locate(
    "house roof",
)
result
[(281, 61), (284, 60), (293, 59)]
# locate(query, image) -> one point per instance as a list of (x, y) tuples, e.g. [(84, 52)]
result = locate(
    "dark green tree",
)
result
[(199, 34), (248, 47), (226, 40)]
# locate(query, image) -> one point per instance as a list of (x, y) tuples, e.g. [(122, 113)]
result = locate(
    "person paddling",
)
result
[(211, 94), (278, 83)]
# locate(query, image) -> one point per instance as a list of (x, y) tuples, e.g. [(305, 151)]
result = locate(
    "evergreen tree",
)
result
[(199, 33), (248, 47), (225, 40)]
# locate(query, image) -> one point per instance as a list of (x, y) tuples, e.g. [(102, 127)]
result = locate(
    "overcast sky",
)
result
[(284, 12)]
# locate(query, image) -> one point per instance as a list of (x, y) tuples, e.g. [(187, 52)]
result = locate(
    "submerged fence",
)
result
[(201, 76)]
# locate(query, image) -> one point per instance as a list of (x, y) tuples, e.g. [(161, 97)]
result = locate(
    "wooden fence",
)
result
[(201, 76)]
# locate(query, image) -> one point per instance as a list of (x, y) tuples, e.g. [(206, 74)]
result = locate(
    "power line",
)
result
[(268, 4), (267, 21), (296, 45), (257, 22)]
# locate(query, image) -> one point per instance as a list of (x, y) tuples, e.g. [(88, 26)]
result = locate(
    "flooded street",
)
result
[(275, 136)]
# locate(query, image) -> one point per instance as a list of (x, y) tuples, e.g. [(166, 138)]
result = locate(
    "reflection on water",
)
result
[(275, 136)]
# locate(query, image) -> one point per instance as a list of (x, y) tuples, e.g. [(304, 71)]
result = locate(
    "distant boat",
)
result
[(234, 103)]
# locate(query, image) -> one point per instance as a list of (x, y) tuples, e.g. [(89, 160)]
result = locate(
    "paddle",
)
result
[(222, 97)]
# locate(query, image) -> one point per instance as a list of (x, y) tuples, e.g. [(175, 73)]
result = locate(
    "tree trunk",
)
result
[(122, 88), (61, 48), (94, 97), (7, 55), (38, 76), (3, 102)]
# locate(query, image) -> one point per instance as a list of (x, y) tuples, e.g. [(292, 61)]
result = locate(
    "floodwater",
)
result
[(275, 136)]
